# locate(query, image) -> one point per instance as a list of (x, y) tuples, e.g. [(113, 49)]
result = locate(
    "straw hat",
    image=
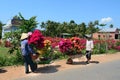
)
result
[(24, 36)]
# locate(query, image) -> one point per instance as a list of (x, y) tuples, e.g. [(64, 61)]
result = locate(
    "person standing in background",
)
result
[(89, 47)]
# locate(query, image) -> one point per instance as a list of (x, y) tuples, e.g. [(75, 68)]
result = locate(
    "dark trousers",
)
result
[(88, 55), (28, 61)]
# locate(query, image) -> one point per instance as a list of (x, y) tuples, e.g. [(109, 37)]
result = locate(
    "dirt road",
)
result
[(13, 72)]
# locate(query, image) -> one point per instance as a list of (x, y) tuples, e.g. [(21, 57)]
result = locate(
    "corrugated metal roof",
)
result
[(108, 30)]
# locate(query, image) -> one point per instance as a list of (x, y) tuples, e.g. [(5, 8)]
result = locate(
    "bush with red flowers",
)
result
[(7, 44), (118, 48), (54, 41)]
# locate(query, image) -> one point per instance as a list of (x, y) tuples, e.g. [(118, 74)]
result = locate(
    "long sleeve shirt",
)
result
[(26, 48), (89, 45)]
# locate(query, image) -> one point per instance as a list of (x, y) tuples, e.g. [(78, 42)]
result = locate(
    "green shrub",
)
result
[(118, 43), (7, 59), (83, 51), (96, 51), (2, 60), (18, 56), (102, 50), (58, 55)]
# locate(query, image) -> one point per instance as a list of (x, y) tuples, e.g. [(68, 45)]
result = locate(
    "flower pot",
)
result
[(69, 61), (34, 57)]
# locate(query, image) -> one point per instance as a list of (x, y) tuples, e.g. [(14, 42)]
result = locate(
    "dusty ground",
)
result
[(13, 72)]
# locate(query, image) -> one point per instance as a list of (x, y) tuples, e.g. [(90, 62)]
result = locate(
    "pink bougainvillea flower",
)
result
[(29, 33), (65, 45), (36, 39)]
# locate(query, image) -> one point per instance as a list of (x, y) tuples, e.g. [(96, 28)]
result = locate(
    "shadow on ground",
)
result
[(79, 63), (3, 71), (83, 62), (48, 69), (96, 62)]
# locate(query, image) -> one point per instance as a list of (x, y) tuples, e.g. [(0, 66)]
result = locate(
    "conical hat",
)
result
[(24, 36)]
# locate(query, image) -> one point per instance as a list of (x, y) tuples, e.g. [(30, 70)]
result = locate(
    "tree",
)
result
[(64, 28), (27, 25), (50, 28), (82, 29), (90, 28), (72, 26), (1, 24), (111, 26), (102, 25), (43, 27), (96, 22)]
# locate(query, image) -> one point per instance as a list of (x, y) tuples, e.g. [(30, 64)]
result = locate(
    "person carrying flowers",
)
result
[(26, 50)]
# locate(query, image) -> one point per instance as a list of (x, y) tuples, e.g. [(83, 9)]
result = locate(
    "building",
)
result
[(109, 33), (65, 35), (11, 25)]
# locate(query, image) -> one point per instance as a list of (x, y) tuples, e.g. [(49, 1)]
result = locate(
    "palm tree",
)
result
[(90, 28), (82, 29), (72, 25), (111, 26), (96, 22)]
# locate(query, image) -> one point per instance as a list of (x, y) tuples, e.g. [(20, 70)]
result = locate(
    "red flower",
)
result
[(36, 39), (65, 45)]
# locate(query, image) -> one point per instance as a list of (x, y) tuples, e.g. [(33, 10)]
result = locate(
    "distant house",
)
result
[(109, 33), (11, 25), (65, 35)]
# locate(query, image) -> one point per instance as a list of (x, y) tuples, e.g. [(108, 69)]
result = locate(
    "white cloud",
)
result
[(106, 20)]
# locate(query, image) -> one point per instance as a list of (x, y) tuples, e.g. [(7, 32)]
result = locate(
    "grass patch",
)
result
[(112, 51), (3, 50), (7, 59)]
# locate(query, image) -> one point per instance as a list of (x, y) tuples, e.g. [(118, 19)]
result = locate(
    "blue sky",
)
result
[(106, 11)]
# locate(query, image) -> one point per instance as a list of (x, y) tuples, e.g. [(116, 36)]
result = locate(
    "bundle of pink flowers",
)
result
[(65, 45), (72, 46), (36, 39), (78, 44)]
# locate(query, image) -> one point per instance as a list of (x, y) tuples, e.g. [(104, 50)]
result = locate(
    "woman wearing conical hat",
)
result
[(26, 50)]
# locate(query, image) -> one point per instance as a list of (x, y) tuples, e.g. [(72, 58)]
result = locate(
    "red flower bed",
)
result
[(118, 48), (54, 41)]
